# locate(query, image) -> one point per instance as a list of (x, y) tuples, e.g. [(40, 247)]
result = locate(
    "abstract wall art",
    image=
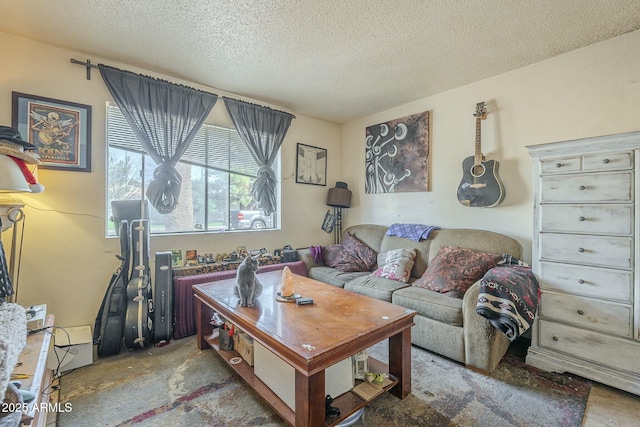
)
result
[(397, 155)]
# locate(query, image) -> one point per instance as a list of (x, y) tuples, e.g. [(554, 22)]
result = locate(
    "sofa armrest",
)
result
[(484, 345), (305, 256)]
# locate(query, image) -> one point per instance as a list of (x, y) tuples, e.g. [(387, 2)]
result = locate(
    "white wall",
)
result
[(67, 261), (589, 92)]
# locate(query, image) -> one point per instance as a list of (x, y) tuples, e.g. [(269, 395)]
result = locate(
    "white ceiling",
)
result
[(336, 60)]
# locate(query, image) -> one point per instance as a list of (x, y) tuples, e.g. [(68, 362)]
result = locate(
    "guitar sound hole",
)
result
[(477, 170)]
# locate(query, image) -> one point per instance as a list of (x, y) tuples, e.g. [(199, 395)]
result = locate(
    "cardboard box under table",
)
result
[(243, 344), (72, 348), (280, 376)]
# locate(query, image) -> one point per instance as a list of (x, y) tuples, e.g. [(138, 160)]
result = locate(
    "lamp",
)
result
[(11, 181), (15, 177), (338, 197)]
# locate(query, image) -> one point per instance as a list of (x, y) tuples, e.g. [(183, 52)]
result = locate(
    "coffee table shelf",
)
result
[(348, 402)]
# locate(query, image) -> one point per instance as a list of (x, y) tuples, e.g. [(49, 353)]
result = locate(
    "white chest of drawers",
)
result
[(585, 254)]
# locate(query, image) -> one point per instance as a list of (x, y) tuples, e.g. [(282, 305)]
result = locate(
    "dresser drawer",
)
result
[(610, 161), (594, 219), (561, 165), (585, 188), (597, 282), (593, 346), (606, 251), (587, 312)]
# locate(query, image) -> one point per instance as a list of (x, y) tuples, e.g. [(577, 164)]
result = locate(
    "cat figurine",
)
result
[(247, 287)]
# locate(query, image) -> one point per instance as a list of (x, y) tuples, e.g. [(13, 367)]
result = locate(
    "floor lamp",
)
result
[(12, 180), (339, 197)]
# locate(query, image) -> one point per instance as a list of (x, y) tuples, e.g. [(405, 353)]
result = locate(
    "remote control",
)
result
[(304, 301)]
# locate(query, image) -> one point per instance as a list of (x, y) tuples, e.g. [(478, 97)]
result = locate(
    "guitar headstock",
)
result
[(481, 110)]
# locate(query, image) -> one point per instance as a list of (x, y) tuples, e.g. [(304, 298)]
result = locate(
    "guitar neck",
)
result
[(478, 152)]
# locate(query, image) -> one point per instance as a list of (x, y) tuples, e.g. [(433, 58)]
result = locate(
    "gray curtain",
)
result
[(263, 130), (165, 117)]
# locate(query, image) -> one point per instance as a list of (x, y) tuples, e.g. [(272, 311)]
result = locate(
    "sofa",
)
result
[(444, 324)]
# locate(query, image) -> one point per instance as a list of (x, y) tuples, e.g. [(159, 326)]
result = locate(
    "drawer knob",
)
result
[(580, 312), (581, 218), (581, 281), (580, 249), (559, 165), (582, 187), (556, 338), (605, 161)]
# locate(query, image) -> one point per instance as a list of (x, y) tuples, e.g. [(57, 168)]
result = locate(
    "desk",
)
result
[(33, 362), (184, 305), (310, 339)]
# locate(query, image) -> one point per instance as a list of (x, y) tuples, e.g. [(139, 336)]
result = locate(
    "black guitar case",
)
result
[(163, 298), (107, 331), (138, 328)]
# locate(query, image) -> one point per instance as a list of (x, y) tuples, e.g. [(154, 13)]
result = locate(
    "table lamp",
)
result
[(339, 197)]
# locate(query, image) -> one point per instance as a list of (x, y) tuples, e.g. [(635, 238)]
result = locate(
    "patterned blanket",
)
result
[(509, 295)]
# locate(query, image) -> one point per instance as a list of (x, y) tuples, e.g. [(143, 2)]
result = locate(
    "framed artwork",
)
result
[(311, 165), (397, 155), (60, 129)]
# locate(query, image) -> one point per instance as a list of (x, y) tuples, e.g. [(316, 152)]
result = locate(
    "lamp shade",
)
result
[(339, 197), (12, 179)]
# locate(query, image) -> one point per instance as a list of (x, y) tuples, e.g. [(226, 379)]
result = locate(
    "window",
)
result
[(217, 172)]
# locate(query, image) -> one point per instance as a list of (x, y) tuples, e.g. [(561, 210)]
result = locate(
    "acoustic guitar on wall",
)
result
[(480, 185)]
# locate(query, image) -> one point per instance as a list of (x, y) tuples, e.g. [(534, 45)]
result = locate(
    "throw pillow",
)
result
[(351, 255), (454, 270), (360, 250), (396, 264)]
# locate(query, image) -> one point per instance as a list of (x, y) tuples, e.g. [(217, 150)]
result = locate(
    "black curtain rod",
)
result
[(89, 66)]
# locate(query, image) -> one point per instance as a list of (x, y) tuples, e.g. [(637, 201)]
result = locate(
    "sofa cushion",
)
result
[(334, 277), (351, 255), (479, 240), (375, 287), (431, 304), (396, 264), (455, 269), (369, 234)]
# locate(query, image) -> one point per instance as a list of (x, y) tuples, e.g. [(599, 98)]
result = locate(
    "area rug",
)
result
[(179, 385)]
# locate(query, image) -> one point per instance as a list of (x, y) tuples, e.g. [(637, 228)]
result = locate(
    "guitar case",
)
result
[(138, 328), (163, 298), (107, 331)]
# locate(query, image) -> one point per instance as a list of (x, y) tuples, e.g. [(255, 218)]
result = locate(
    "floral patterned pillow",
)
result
[(351, 255), (361, 251), (453, 270), (396, 264)]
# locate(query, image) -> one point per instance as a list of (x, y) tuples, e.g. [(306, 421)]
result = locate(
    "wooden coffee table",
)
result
[(310, 338)]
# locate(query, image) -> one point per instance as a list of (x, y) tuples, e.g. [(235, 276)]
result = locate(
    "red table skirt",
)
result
[(184, 303)]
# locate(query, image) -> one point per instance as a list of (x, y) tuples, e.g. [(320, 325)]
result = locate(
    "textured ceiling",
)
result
[(332, 59)]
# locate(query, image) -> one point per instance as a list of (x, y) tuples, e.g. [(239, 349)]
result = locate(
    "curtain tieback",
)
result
[(263, 189), (164, 190)]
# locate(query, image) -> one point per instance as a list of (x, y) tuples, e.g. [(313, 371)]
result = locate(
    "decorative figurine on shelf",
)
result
[(247, 287)]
